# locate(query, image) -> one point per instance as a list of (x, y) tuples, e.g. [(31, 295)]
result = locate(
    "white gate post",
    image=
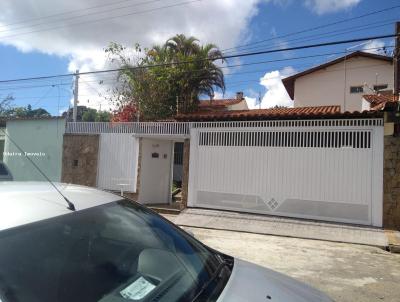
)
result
[(192, 167), (377, 177)]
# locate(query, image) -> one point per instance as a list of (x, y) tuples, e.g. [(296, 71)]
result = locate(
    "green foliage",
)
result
[(22, 112), (89, 115), (181, 71), (92, 115), (5, 105), (103, 116)]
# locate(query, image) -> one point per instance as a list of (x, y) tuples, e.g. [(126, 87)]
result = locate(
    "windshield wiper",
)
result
[(223, 263), (71, 206)]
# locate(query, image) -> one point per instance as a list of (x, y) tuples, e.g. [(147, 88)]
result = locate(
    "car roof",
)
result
[(26, 202)]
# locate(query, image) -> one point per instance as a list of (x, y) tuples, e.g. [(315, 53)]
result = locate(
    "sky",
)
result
[(54, 37)]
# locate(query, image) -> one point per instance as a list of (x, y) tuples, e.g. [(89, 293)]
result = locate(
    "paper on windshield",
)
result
[(138, 289)]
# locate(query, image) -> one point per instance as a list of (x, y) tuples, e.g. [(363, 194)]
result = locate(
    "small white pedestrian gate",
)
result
[(118, 160), (327, 170)]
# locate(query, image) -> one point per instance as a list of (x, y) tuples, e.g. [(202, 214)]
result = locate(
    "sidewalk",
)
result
[(288, 227)]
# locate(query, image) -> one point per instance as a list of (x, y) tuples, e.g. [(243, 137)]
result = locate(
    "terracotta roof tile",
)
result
[(219, 102), (261, 113), (381, 101), (275, 113)]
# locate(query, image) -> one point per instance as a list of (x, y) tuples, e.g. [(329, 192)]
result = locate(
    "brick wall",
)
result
[(80, 157), (391, 183)]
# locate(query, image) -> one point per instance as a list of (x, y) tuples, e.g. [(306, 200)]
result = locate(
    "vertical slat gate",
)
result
[(308, 172), (118, 159)]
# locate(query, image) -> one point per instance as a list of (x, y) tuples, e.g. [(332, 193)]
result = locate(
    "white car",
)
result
[(86, 245)]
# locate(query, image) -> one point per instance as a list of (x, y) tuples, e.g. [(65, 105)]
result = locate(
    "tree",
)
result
[(103, 116), (25, 112), (126, 113), (5, 105), (92, 115), (181, 70), (89, 115)]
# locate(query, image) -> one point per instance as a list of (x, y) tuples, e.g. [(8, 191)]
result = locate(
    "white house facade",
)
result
[(342, 81)]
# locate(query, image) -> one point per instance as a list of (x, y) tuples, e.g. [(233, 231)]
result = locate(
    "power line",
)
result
[(326, 34), (106, 18), (71, 12), (209, 59), (229, 83), (310, 46), (119, 69), (318, 27), (34, 86), (44, 96), (80, 16)]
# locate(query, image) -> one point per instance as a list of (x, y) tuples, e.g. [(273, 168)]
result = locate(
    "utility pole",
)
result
[(396, 63), (76, 93), (345, 81)]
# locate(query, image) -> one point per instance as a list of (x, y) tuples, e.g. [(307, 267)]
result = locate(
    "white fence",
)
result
[(159, 128), (301, 170), (183, 128)]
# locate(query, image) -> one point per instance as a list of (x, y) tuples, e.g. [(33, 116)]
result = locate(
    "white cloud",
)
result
[(224, 23), (321, 7), (276, 94), (218, 95), (287, 71), (374, 46)]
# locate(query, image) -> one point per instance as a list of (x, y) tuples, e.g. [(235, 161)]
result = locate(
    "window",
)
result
[(356, 89), (380, 87), (178, 154)]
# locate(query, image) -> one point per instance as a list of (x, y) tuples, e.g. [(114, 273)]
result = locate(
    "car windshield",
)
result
[(110, 253)]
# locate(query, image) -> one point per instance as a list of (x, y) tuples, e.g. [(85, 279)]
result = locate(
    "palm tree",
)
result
[(211, 74), (180, 68), (197, 72), (180, 44)]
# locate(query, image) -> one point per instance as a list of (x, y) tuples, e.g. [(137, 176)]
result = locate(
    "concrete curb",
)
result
[(394, 241), (284, 227)]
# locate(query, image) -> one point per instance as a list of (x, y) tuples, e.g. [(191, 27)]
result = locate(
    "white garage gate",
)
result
[(326, 170)]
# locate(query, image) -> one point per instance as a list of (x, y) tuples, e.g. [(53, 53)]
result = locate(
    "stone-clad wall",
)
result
[(80, 157), (391, 183)]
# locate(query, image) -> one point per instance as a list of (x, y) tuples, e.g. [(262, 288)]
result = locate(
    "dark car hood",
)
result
[(250, 282)]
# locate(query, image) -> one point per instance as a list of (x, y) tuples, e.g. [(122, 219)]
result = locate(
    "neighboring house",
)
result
[(42, 139), (379, 101), (261, 114), (238, 103), (342, 81)]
